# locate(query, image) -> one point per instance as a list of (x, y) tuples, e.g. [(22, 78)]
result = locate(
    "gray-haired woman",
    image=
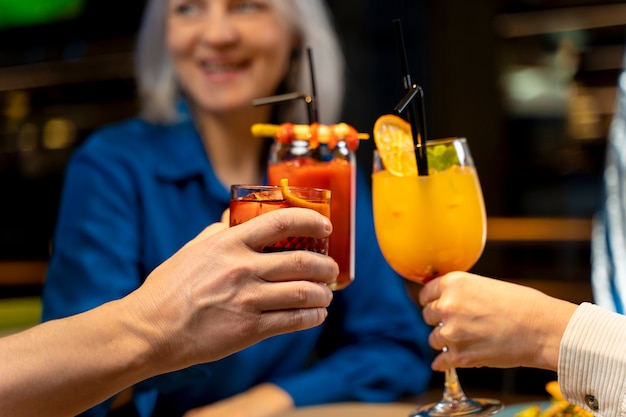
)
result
[(137, 191)]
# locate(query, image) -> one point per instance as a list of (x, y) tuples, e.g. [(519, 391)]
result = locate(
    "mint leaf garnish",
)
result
[(441, 157)]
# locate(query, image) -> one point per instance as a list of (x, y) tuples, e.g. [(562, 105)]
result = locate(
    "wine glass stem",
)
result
[(453, 393)]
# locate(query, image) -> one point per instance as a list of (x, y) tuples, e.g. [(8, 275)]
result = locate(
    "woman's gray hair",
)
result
[(313, 23)]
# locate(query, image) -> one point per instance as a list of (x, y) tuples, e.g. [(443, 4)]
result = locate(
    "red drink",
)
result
[(250, 201), (338, 176), (322, 156)]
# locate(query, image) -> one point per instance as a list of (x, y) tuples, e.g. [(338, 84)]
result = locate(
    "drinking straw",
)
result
[(281, 98), (310, 100), (406, 100), (313, 106), (415, 110)]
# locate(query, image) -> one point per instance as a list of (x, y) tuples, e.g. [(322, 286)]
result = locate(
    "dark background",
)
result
[(533, 94), (80, 70)]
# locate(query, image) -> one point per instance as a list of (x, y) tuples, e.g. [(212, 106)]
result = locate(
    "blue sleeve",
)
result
[(98, 254), (374, 346), (95, 251)]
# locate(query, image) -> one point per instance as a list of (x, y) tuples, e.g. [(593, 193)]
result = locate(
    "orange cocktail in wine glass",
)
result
[(429, 225)]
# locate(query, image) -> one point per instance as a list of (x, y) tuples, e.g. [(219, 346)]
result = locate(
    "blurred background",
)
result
[(530, 83)]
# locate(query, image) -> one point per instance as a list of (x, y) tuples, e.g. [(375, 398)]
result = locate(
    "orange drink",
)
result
[(429, 225), (248, 201)]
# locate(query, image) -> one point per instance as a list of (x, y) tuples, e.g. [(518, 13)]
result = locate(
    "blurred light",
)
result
[(58, 133), (584, 121), (17, 104), (28, 137), (527, 84)]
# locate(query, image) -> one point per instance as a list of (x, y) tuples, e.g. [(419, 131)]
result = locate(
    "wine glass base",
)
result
[(475, 407)]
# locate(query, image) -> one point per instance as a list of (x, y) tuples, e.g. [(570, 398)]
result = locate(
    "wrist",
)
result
[(145, 341), (555, 315)]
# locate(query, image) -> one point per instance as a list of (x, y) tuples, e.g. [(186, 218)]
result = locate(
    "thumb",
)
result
[(226, 217)]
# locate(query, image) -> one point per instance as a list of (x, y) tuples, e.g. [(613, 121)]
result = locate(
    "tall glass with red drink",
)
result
[(323, 156)]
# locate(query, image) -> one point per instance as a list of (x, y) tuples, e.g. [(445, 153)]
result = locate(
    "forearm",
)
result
[(87, 357)]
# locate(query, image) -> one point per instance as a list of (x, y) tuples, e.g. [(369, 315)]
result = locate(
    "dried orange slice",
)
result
[(554, 390), (295, 201), (393, 139)]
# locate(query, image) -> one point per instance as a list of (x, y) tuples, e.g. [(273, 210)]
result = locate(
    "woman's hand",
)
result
[(260, 401), (480, 321)]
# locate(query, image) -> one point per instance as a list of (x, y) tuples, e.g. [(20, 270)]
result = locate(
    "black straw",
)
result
[(406, 100), (281, 98), (416, 114), (311, 101), (313, 106)]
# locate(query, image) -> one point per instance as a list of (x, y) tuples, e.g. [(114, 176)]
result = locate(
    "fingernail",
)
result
[(328, 226)]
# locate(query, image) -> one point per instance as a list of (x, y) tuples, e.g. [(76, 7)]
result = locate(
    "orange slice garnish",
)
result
[(554, 390), (295, 201), (393, 139)]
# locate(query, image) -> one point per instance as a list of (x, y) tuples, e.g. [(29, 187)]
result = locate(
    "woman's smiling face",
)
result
[(228, 52)]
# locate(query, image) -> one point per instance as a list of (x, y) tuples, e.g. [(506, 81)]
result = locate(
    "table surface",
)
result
[(405, 408), (356, 409), (353, 410)]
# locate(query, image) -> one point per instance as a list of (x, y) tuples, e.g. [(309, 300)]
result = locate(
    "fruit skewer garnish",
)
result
[(315, 133)]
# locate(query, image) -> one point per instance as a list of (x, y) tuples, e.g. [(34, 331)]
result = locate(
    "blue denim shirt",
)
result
[(135, 192)]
